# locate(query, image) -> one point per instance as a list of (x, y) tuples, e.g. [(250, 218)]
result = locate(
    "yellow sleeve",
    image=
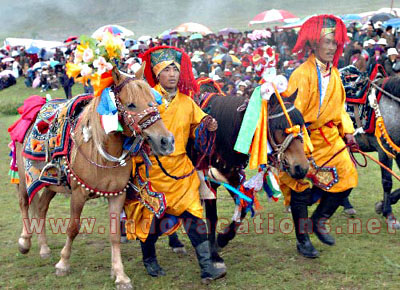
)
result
[(298, 81), (346, 125), (197, 117)]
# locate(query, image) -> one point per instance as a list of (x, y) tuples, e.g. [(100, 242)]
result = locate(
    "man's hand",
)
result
[(349, 139), (212, 125)]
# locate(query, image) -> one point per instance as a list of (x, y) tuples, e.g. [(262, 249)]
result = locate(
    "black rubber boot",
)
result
[(302, 224), (149, 257), (326, 208), (208, 271), (152, 267)]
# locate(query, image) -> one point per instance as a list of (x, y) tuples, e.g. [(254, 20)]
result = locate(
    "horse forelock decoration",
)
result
[(93, 162)]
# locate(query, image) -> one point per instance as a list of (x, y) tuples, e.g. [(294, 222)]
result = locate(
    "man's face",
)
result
[(169, 77), (326, 48)]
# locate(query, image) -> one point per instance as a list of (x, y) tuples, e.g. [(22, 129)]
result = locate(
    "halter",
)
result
[(136, 122), (293, 132)]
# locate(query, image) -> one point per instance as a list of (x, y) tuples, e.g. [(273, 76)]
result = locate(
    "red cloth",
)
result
[(28, 112)]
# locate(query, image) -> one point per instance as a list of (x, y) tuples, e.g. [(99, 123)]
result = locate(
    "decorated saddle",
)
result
[(356, 85), (49, 140)]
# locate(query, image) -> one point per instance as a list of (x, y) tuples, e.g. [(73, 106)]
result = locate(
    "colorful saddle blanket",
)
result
[(50, 134), (50, 140)]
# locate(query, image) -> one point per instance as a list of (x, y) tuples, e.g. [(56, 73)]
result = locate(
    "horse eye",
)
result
[(151, 104), (131, 106)]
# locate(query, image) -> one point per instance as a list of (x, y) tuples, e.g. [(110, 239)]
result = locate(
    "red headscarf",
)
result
[(310, 32), (186, 84)]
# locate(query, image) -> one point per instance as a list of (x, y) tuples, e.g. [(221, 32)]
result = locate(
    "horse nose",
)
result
[(167, 143), (299, 172)]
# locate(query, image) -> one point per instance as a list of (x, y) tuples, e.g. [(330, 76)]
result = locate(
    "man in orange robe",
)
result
[(169, 71), (321, 100)]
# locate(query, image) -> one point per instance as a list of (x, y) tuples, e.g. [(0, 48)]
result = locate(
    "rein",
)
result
[(354, 148)]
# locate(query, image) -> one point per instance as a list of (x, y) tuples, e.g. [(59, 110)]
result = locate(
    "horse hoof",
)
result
[(24, 245), (180, 250), (45, 256), (124, 240), (378, 207), (23, 250), (124, 286), (62, 270)]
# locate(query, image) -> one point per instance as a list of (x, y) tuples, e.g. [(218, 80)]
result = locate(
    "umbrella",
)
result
[(196, 36), (381, 17), (212, 48), (144, 38), (39, 65), (227, 57), (32, 49), (6, 73), (350, 17), (192, 27), (7, 59), (226, 31), (114, 29), (273, 15), (71, 38), (53, 63), (297, 23), (394, 22)]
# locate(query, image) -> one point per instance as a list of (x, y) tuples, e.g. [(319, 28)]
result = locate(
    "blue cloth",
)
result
[(106, 105), (157, 96)]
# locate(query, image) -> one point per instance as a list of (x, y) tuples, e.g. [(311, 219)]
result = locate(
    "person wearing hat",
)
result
[(389, 36), (169, 71), (390, 62), (321, 100)]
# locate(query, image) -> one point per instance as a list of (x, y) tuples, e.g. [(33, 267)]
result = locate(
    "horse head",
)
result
[(137, 107), (286, 143)]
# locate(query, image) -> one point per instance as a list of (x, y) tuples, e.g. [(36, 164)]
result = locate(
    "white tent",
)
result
[(27, 42)]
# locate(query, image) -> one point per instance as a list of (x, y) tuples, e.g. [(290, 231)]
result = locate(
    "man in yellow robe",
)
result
[(168, 70), (321, 100)]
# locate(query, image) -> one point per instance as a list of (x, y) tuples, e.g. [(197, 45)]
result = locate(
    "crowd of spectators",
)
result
[(237, 61)]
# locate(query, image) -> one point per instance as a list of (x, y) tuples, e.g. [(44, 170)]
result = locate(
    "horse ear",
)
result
[(139, 74), (292, 97), (272, 101), (117, 76)]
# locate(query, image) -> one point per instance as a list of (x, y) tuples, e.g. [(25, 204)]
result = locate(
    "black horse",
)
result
[(389, 108), (229, 164)]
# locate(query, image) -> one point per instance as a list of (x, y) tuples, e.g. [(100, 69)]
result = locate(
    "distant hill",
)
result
[(58, 19)]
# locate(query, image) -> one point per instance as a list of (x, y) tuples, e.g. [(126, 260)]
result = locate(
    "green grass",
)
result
[(254, 261), (13, 97)]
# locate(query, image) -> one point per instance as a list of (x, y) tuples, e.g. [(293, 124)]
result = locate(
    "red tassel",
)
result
[(310, 32), (186, 84)]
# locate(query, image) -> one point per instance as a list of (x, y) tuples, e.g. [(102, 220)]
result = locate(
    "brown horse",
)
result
[(92, 168)]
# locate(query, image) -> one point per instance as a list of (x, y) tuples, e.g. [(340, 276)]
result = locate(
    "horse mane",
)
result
[(225, 110), (392, 86), (135, 90)]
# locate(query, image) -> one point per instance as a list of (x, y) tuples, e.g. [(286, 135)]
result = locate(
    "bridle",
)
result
[(293, 131), (136, 122)]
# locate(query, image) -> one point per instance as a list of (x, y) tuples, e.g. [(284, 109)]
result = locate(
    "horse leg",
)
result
[(212, 218), (384, 207), (76, 207), (224, 238), (24, 241), (43, 206), (115, 205)]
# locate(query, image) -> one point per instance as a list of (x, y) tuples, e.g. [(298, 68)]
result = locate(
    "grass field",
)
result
[(255, 260)]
